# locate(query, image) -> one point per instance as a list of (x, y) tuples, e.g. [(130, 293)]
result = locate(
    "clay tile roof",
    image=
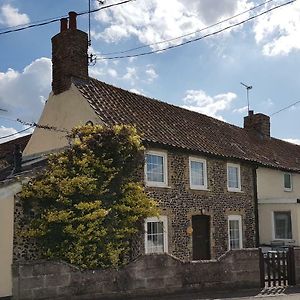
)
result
[(166, 124)]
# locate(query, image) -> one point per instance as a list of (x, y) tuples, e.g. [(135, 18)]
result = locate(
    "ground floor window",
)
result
[(156, 235), (235, 240), (282, 225)]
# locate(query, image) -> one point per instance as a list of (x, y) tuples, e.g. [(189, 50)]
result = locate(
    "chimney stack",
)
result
[(69, 55), (258, 123)]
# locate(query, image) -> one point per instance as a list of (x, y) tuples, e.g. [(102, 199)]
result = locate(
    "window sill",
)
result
[(157, 186), (205, 189), (288, 190), (234, 191)]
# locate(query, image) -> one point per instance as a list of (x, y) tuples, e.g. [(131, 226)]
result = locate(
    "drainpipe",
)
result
[(17, 159), (254, 175)]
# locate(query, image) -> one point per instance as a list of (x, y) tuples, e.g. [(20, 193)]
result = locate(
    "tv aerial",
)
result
[(248, 87)]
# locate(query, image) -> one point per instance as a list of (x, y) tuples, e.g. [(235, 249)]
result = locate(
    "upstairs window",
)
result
[(282, 225), (233, 177), (156, 235), (156, 168), (235, 240), (287, 179), (198, 173)]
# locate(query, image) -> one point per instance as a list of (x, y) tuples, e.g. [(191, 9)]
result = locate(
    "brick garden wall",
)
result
[(149, 274)]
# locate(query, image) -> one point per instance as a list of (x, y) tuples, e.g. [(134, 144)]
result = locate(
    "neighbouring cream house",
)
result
[(278, 193), (9, 187)]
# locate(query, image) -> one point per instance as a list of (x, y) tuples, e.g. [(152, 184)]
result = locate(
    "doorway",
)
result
[(201, 237)]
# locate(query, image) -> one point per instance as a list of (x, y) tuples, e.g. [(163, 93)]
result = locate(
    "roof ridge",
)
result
[(166, 103)]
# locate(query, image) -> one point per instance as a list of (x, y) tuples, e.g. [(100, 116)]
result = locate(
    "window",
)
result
[(198, 173), (287, 178), (156, 235), (233, 178), (156, 168), (235, 240), (282, 225)]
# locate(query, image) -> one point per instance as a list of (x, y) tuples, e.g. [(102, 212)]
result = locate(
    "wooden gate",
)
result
[(277, 268)]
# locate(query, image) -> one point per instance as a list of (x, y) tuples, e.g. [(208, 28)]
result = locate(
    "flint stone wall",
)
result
[(147, 275)]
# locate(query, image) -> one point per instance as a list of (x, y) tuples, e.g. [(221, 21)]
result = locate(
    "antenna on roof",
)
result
[(248, 87)]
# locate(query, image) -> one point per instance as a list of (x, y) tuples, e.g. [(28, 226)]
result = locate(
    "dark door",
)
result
[(201, 234)]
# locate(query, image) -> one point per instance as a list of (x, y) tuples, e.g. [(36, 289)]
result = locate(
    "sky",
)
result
[(203, 76)]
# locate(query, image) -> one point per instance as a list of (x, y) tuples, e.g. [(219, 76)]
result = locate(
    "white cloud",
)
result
[(137, 91), (151, 73), (23, 94), (241, 110), (156, 20), (6, 131), (294, 141), (199, 101), (277, 32), (10, 16), (112, 72), (131, 75)]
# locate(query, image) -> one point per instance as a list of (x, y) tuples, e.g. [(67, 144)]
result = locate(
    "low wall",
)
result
[(149, 274)]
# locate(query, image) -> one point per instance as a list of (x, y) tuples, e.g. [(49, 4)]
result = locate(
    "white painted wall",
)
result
[(7, 194), (63, 111)]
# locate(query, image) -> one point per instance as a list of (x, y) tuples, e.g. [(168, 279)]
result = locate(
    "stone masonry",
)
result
[(179, 203), (148, 275)]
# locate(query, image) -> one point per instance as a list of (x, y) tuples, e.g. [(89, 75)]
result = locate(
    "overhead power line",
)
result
[(199, 38), (57, 19), (284, 108), (188, 34), (18, 132)]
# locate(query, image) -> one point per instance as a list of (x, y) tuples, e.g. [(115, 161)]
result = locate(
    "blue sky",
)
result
[(203, 76)]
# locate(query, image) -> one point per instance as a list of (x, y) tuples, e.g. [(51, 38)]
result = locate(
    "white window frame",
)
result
[(164, 155), (203, 161), (273, 225), (291, 180), (239, 219), (163, 219), (233, 189)]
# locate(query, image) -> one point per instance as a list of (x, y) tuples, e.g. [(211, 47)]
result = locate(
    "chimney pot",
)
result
[(63, 24), (72, 20), (250, 112), (69, 55)]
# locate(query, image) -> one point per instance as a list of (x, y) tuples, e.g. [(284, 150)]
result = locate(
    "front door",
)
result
[(201, 237)]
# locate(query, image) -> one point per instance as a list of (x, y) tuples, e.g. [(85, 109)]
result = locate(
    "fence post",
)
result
[(261, 268), (291, 266)]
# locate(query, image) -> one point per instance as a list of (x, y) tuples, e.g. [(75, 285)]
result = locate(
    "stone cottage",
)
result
[(203, 172), (197, 167)]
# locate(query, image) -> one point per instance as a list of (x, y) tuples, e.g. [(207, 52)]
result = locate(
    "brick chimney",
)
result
[(69, 55), (258, 123)]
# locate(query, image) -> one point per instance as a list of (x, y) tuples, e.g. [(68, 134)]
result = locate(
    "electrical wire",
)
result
[(187, 34), (34, 124), (284, 108), (10, 135), (43, 23), (199, 38)]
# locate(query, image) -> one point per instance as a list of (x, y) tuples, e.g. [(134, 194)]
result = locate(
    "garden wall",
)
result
[(148, 274)]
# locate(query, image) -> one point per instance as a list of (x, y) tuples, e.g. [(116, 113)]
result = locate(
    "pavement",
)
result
[(274, 293)]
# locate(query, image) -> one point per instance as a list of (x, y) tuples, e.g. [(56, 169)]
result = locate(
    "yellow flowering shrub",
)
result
[(88, 204)]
